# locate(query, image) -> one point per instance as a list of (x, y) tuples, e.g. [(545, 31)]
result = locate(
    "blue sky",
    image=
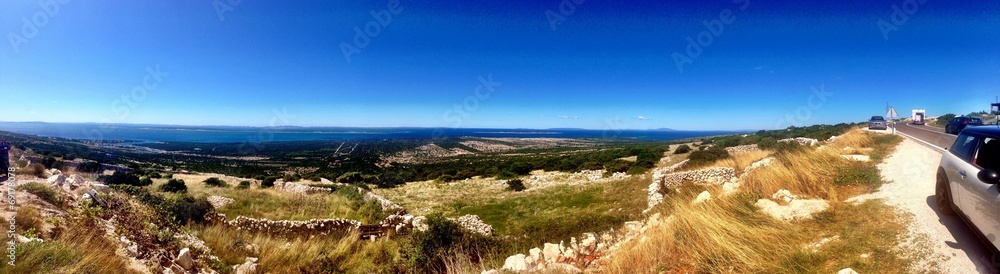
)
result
[(607, 65)]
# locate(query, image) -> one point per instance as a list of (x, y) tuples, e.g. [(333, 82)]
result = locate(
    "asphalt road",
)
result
[(933, 135)]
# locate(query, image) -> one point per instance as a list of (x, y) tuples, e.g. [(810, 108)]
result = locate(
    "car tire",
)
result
[(943, 195)]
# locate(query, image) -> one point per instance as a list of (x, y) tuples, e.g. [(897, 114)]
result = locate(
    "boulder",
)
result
[(784, 195), (184, 259), (536, 254), (730, 188), (702, 197), (516, 263), (551, 252), (847, 271), (101, 188), (248, 267), (177, 269), (589, 241), (420, 223), (56, 180)]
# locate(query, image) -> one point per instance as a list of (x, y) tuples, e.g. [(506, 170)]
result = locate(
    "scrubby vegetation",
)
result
[(174, 185), (44, 192), (729, 234)]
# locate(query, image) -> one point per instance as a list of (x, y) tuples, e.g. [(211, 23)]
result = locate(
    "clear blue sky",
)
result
[(609, 64)]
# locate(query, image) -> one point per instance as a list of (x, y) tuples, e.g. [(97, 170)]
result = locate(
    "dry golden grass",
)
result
[(740, 160), (809, 172), (80, 248), (725, 235), (299, 255), (729, 235)]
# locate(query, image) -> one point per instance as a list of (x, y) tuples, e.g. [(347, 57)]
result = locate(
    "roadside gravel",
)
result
[(941, 243)]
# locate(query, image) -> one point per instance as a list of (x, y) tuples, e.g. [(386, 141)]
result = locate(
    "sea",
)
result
[(232, 134)]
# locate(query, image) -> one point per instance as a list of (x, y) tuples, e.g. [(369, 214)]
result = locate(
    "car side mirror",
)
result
[(989, 176)]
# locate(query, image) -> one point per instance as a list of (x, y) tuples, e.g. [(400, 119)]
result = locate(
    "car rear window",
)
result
[(975, 120), (965, 146)]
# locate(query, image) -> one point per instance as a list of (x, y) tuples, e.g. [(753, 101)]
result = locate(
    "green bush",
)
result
[(268, 182), (124, 178), (155, 175), (858, 173), (445, 239), (708, 156), (145, 181), (682, 149), (944, 119), (516, 185), (637, 170), (292, 177), (243, 185), (168, 176), (184, 208), (174, 185), (90, 167), (216, 182)]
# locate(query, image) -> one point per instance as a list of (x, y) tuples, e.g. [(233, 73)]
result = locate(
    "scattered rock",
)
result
[(517, 263), (56, 180), (551, 252), (177, 269), (248, 267), (797, 209), (784, 195), (474, 224), (219, 201), (491, 271), (536, 254), (847, 271), (101, 188), (730, 188), (420, 223), (702, 197), (184, 259)]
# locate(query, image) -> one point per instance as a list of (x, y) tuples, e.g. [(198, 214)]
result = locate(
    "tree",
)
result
[(684, 148), (268, 182), (944, 119), (90, 167), (215, 182), (175, 186), (516, 185), (124, 178), (145, 181)]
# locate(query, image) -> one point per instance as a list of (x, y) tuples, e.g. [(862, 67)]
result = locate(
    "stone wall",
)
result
[(802, 141), (314, 227), (743, 148), (299, 188)]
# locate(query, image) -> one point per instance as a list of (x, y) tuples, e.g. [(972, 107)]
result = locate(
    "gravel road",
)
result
[(910, 173)]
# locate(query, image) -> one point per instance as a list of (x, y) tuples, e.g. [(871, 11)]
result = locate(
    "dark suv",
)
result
[(959, 123), (967, 181)]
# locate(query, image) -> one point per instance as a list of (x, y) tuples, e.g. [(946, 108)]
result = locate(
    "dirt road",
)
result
[(910, 173)]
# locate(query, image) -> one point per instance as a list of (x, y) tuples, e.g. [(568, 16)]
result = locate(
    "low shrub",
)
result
[(174, 185), (124, 178), (858, 173), (516, 185), (268, 182), (243, 185), (682, 149), (215, 182), (145, 181), (35, 169), (185, 208), (444, 239), (44, 192), (708, 156), (90, 167)]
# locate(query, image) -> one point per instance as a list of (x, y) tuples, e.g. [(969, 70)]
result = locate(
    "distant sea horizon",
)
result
[(237, 134)]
